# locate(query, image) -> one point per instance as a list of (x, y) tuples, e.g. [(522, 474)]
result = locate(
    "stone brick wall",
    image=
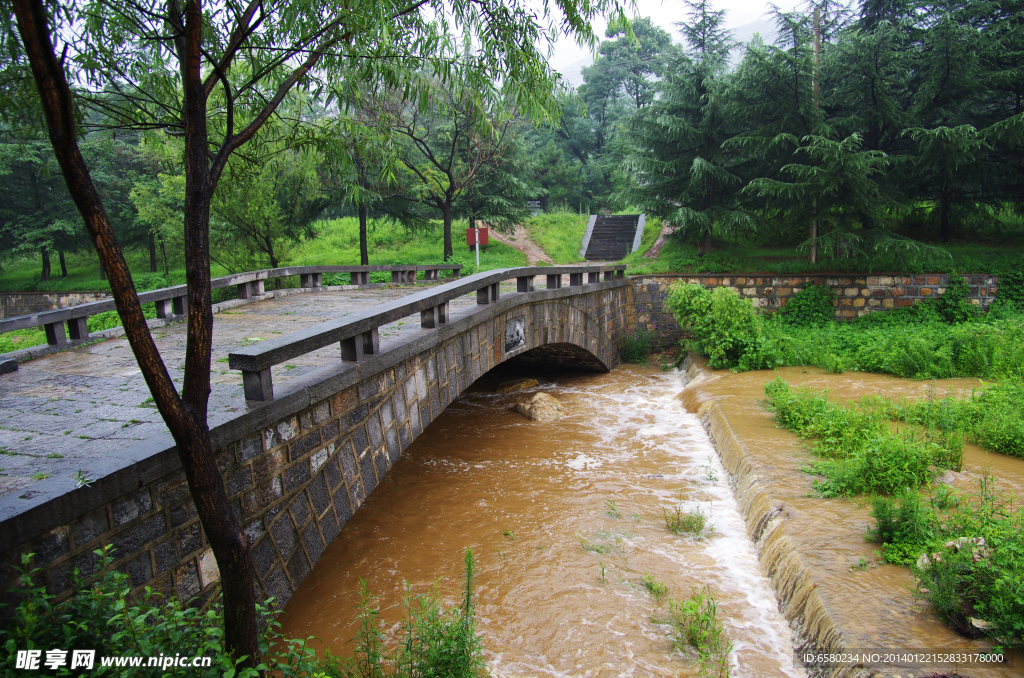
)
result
[(23, 303), (856, 294), (298, 468)]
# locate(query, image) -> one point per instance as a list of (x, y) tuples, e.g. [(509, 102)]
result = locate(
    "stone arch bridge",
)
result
[(304, 456)]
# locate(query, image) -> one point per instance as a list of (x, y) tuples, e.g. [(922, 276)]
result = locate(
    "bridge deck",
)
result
[(62, 410)]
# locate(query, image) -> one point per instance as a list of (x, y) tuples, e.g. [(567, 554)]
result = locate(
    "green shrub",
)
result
[(636, 346), (979, 571), (722, 326), (812, 306), (100, 616), (432, 642), (858, 451), (906, 525)]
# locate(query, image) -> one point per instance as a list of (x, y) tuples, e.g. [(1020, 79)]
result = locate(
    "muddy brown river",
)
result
[(522, 495), (526, 496)]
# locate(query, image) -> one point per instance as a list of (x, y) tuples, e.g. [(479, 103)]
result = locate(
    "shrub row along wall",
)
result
[(23, 303), (298, 468), (856, 294)]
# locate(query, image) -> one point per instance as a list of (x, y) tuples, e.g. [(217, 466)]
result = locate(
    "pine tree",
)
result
[(680, 167)]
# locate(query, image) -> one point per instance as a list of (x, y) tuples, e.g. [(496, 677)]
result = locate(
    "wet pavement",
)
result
[(65, 409)]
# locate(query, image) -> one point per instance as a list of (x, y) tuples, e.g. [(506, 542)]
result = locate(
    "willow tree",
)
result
[(214, 74)]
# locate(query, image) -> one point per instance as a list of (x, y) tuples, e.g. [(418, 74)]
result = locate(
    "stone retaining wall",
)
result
[(23, 303), (856, 294), (297, 468)]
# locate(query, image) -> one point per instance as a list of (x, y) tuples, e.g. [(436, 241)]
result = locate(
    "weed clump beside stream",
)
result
[(857, 449), (430, 641), (966, 551), (695, 625)]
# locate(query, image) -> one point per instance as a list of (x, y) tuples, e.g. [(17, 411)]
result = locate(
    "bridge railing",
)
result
[(357, 333), (173, 301)]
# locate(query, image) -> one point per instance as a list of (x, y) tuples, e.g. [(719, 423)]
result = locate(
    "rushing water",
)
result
[(523, 495)]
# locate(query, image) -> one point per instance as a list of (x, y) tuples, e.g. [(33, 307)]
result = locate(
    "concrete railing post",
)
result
[(524, 283), (55, 334), (609, 276), (250, 290), (78, 328), (179, 305), (311, 280), (621, 275), (554, 281), (593, 278), (434, 316), (575, 279), (489, 294), (163, 308), (257, 385), (356, 348)]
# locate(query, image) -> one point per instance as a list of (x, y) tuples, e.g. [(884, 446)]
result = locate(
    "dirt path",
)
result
[(520, 240)]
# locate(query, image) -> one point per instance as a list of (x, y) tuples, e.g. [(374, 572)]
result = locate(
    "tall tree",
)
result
[(682, 168), (215, 76)]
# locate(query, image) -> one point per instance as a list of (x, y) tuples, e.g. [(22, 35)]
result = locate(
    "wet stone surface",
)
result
[(61, 411)]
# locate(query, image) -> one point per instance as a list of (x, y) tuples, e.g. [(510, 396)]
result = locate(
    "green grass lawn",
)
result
[(337, 244), (559, 234)]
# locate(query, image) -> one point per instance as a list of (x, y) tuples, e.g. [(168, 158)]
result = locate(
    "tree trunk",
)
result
[(446, 212), (185, 416), (63, 264), (812, 234), (230, 544), (364, 255), (163, 253), (707, 240), (152, 252), (945, 229), (46, 264), (103, 270)]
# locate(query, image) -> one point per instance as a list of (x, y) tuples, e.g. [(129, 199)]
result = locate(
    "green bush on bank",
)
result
[(942, 338), (99, 615), (967, 553), (857, 450)]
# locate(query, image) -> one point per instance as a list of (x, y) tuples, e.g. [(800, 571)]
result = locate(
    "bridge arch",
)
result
[(345, 443), (298, 466)]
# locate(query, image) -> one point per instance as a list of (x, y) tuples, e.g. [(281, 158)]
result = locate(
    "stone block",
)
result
[(186, 582), (264, 556), (285, 537), (851, 292), (926, 291), (294, 476), (887, 303), (277, 586), (329, 527), (52, 546), (139, 569), (318, 495), (300, 510), (249, 448), (304, 445), (165, 556), (344, 401), (190, 539), (209, 572), (298, 568), (238, 482), (859, 302), (314, 542), (332, 473), (135, 538), (317, 460), (266, 466)]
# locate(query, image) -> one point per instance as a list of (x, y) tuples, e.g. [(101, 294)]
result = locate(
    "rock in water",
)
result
[(541, 407), (516, 385)]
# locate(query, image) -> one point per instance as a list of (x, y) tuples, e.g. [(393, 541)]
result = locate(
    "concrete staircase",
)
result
[(610, 238)]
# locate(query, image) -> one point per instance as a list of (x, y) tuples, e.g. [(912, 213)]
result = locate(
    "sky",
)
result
[(569, 58)]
